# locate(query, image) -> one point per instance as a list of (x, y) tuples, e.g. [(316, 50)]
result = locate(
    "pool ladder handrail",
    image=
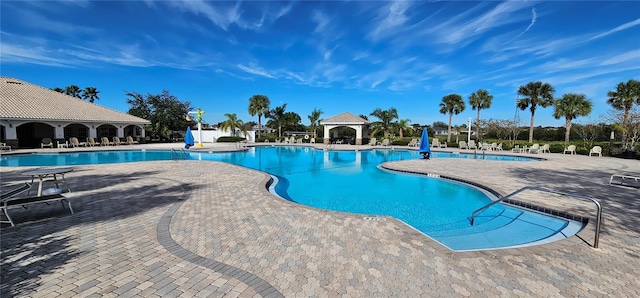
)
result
[(179, 155), (592, 199)]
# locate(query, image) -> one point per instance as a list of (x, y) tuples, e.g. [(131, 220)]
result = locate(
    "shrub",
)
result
[(230, 139)]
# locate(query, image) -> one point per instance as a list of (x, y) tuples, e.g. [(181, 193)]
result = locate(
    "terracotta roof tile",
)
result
[(345, 118)]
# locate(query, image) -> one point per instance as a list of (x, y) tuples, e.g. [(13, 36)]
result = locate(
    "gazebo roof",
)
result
[(24, 101), (344, 119)]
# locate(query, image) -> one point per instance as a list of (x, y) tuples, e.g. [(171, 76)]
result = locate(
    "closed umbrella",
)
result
[(188, 138), (425, 149)]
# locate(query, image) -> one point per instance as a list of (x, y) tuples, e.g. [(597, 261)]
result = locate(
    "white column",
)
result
[(327, 128)]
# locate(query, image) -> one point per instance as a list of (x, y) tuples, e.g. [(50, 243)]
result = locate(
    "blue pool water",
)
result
[(350, 181)]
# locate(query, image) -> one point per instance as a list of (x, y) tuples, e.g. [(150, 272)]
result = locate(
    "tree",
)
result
[(623, 99), (291, 121), (570, 106), (451, 104), (439, 124), (165, 112), (402, 125), (386, 118), (277, 117), (479, 100), (233, 124), (589, 133), (58, 89), (90, 93), (259, 105), (73, 90), (314, 117), (535, 94)]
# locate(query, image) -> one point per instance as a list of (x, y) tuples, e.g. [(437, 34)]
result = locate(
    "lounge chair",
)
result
[(535, 148), (435, 142), (463, 145), (116, 141), (545, 148), (131, 141), (10, 199), (46, 142), (62, 145), (413, 142), (373, 142), (443, 145), (73, 141), (472, 144), (91, 142), (516, 149), (312, 141), (3, 146), (571, 150), (385, 142), (596, 150), (499, 148), (104, 141)]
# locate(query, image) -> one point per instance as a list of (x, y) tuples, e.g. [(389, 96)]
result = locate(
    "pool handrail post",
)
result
[(592, 199)]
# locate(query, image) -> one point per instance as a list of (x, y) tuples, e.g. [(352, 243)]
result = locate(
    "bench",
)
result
[(623, 178), (9, 201)]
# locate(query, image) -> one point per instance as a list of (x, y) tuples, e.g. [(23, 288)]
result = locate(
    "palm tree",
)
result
[(402, 125), (277, 116), (535, 94), (386, 118), (232, 123), (259, 105), (314, 117), (451, 104), (570, 106), (479, 100), (622, 99), (90, 93), (73, 90), (58, 89)]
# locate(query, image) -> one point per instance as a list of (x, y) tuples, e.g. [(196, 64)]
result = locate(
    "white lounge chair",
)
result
[(596, 150), (46, 142), (463, 145), (571, 150), (385, 142), (545, 148), (516, 149), (373, 142), (131, 141), (535, 148), (413, 143), (3, 146), (472, 144)]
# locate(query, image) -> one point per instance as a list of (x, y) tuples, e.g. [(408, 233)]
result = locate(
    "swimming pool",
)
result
[(350, 181)]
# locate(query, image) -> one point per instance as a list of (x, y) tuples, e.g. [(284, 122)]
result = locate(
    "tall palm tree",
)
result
[(402, 125), (277, 115), (386, 118), (622, 99), (58, 89), (479, 100), (259, 105), (73, 90), (451, 104), (232, 123), (90, 93), (314, 117), (570, 106), (535, 94)]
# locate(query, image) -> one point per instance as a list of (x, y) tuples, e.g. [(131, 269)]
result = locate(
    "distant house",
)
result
[(264, 129), (441, 131), (30, 113)]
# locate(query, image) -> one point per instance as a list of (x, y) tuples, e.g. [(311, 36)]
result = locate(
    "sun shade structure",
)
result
[(347, 120), (424, 148), (30, 113)]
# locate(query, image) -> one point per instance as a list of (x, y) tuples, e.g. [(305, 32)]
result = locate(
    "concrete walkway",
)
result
[(209, 229)]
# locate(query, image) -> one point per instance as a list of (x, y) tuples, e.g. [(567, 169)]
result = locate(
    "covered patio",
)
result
[(349, 120)]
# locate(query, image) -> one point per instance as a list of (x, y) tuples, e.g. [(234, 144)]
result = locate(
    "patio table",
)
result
[(48, 174)]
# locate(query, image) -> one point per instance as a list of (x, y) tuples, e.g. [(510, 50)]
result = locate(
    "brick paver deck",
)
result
[(209, 229)]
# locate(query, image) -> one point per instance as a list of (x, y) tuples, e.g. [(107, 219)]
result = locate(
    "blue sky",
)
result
[(337, 56)]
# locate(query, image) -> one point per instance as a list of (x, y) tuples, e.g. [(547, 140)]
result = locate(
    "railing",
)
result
[(179, 155), (592, 199)]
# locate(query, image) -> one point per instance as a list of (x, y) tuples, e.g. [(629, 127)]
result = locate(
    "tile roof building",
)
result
[(345, 119), (29, 113)]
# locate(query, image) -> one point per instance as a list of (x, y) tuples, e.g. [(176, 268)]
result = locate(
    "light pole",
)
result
[(469, 133)]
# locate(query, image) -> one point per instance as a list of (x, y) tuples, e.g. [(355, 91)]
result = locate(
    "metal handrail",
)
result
[(182, 155), (592, 199)]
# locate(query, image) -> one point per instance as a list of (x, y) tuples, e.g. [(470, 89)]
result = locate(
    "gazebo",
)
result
[(30, 113), (346, 119)]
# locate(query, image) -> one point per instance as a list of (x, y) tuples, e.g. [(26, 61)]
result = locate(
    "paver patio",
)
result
[(210, 229)]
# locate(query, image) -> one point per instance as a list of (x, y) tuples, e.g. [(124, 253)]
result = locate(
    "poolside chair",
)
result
[(91, 142), (596, 150), (413, 143), (435, 143), (312, 141), (385, 142), (463, 145), (116, 141), (62, 145), (104, 141), (516, 149), (442, 144), (3, 146), (472, 144), (131, 141), (499, 148), (73, 142), (373, 142), (46, 142), (535, 148), (545, 148), (571, 149)]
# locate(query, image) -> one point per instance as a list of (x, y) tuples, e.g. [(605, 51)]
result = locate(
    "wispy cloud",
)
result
[(390, 19), (534, 17), (256, 70), (617, 29)]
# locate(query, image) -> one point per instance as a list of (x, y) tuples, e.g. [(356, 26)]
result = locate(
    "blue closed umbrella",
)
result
[(188, 138), (425, 149)]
